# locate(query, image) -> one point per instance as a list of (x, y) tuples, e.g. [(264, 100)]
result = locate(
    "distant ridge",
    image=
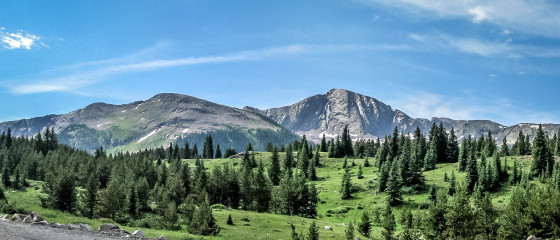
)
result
[(368, 118)]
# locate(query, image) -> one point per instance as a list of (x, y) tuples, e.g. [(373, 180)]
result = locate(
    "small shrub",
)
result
[(338, 210), (218, 206)]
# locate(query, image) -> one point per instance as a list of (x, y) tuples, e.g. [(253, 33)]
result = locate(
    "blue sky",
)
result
[(471, 59)]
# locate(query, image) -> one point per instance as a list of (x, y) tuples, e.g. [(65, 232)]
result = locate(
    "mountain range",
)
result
[(175, 118)]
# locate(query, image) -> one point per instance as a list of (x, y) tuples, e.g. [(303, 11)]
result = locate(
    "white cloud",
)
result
[(76, 77), (492, 75), (18, 40), (507, 32), (484, 48), (428, 105), (528, 16)]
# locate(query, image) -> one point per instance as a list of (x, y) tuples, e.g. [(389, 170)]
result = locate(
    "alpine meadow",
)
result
[(302, 120)]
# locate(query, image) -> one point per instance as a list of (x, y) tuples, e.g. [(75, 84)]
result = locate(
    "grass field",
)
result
[(258, 225)]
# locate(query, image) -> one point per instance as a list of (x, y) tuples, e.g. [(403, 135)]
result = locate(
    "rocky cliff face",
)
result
[(152, 123), (368, 117)]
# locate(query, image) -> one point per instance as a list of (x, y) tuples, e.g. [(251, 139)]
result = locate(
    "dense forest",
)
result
[(155, 188)]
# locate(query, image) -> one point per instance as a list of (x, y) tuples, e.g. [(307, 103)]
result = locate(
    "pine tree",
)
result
[(218, 152), (514, 223), (288, 161), (262, 190), (515, 176), (394, 186), (365, 225), (452, 188), (542, 158), (274, 171), (349, 231), (346, 185), (486, 217), (313, 232), (472, 173), (229, 220), (409, 232), (460, 218), (360, 172), (389, 224), (133, 204), (91, 195), (384, 176), (345, 163), (323, 144), (505, 149), (203, 222), (366, 163), (445, 177), (434, 224), (432, 194), (317, 158), (6, 176), (452, 147), (430, 159), (312, 172), (376, 216), (464, 154)]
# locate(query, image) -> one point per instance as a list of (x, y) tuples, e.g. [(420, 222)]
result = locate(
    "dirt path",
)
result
[(19, 231)]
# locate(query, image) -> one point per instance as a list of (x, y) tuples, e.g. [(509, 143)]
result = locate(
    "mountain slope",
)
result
[(155, 122), (368, 117)]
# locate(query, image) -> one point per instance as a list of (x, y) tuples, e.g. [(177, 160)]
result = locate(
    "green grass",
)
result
[(278, 226)]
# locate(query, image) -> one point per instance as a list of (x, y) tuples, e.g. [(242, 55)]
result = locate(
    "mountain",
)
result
[(369, 118), (156, 122)]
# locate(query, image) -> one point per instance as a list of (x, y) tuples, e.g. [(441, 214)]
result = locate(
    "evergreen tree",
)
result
[(274, 171), (229, 220), (384, 176), (349, 231), (486, 217), (346, 185), (288, 161), (452, 188), (505, 149), (317, 158), (542, 158), (432, 194), (430, 159), (389, 224), (91, 195), (262, 190), (365, 225), (460, 218), (445, 177), (521, 144), (366, 163), (218, 152), (452, 147), (323, 146), (360, 172), (312, 172), (513, 222), (434, 224), (203, 222), (313, 232), (347, 149), (472, 173), (112, 201), (409, 231), (464, 155), (133, 204), (394, 186), (295, 235), (376, 216)]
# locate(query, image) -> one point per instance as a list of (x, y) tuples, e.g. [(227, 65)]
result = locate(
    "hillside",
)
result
[(368, 117), (155, 122)]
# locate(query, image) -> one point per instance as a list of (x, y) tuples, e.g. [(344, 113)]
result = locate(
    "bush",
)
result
[(338, 210), (218, 206)]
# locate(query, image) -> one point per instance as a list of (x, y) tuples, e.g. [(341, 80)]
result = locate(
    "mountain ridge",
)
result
[(368, 117)]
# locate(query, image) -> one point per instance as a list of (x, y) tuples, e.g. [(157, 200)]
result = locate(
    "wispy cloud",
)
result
[(75, 77), (532, 17), (18, 40), (483, 47), (428, 105)]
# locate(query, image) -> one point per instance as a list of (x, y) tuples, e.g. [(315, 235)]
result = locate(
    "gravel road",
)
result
[(18, 231)]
